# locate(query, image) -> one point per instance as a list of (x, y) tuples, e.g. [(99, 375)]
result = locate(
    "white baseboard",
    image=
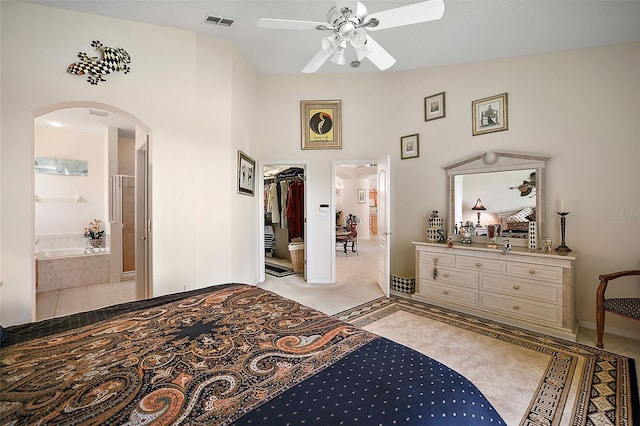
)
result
[(621, 332)]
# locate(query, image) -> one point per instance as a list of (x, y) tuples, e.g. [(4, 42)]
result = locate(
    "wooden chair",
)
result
[(628, 307), (351, 237)]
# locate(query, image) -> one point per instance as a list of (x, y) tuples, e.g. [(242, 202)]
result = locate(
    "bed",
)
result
[(227, 354), (515, 223)]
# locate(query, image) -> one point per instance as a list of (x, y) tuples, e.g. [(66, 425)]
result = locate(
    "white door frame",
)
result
[(384, 225), (334, 164), (143, 244)]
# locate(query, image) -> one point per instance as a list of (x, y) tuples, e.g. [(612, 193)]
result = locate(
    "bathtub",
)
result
[(69, 252), (71, 267)]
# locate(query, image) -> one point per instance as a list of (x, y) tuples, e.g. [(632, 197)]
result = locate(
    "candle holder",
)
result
[(562, 248)]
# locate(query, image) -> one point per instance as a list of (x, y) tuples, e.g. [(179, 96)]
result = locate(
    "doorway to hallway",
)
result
[(356, 200)]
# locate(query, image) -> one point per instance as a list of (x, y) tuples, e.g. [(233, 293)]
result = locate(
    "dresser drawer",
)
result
[(544, 292), (450, 275), (481, 264), (451, 294), (442, 259), (522, 309), (552, 274)]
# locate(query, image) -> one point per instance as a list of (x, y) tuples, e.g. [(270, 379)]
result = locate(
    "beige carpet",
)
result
[(530, 378)]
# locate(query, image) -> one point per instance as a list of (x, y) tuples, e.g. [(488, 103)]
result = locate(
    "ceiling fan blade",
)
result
[(380, 57), (288, 24), (316, 62), (425, 11)]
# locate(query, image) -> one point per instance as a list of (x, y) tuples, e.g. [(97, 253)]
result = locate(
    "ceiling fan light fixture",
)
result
[(358, 38), (338, 57), (330, 44)]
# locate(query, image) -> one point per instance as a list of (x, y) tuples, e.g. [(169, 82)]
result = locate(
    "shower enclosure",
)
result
[(123, 218)]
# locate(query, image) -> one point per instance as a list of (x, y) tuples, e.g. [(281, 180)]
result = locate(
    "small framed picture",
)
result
[(410, 146), (362, 196), (490, 114), (321, 123), (246, 174), (434, 107)]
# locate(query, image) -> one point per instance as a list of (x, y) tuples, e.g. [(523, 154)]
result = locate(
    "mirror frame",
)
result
[(498, 161)]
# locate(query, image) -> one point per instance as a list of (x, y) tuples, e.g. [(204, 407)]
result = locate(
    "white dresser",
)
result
[(527, 289)]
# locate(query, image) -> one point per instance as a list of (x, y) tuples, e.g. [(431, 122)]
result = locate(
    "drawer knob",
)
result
[(516, 287), (445, 275), (516, 307), (532, 271), (445, 292), (478, 264)]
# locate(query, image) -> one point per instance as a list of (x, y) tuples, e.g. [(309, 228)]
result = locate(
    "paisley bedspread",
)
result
[(229, 354)]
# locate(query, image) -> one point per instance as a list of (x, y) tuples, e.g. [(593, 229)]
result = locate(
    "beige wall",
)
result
[(179, 87), (581, 107), (200, 100), (68, 216)]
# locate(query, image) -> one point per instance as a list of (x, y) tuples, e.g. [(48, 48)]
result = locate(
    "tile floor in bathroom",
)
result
[(57, 303)]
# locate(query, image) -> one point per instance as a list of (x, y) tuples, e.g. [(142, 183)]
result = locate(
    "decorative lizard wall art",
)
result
[(112, 60)]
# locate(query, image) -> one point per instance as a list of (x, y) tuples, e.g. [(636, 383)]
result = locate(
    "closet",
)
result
[(284, 216)]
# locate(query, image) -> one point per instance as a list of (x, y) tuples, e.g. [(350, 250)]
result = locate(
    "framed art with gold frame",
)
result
[(490, 114), (321, 124)]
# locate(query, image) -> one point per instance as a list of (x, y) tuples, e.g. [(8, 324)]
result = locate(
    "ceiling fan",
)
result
[(349, 27)]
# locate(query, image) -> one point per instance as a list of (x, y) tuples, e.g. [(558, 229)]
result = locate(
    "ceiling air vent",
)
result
[(216, 20)]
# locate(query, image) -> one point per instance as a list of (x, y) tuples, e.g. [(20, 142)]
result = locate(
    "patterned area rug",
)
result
[(277, 270), (607, 394)]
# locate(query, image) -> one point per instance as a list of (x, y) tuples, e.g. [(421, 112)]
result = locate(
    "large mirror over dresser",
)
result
[(508, 188), (497, 195)]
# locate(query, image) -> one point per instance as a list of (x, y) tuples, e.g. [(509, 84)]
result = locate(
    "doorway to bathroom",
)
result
[(92, 208)]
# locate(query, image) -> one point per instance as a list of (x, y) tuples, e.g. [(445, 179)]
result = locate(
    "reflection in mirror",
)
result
[(510, 188)]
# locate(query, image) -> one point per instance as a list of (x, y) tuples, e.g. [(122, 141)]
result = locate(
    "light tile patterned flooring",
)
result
[(57, 303)]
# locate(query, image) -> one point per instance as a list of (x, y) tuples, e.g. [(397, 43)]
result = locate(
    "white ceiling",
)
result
[(85, 120), (470, 30)]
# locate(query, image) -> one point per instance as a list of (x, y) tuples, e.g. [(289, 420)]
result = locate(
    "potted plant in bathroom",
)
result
[(94, 233)]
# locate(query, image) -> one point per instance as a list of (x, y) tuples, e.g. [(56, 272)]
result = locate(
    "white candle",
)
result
[(562, 205)]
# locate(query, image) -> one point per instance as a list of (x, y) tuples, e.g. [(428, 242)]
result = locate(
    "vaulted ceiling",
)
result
[(470, 30)]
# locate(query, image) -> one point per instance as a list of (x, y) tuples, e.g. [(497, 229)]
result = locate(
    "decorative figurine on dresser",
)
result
[(435, 231), (468, 229), (507, 246), (532, 288)]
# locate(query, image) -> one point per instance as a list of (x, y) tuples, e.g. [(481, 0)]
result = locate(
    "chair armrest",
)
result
[(604, 281), (614, 275)]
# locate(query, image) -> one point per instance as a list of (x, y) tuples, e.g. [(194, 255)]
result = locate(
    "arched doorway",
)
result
[(110, 149)]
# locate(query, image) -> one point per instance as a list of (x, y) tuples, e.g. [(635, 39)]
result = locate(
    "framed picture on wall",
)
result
[(490, 114), (410, 146), (362, 196), (434, 107), (321, 124), (246, 174)]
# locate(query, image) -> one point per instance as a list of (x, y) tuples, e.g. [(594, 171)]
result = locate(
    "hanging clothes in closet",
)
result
[(295, 209), (285, 201), (273, 202), (269, 240)]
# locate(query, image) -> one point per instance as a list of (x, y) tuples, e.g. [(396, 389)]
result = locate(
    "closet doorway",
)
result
[(283, 219)]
